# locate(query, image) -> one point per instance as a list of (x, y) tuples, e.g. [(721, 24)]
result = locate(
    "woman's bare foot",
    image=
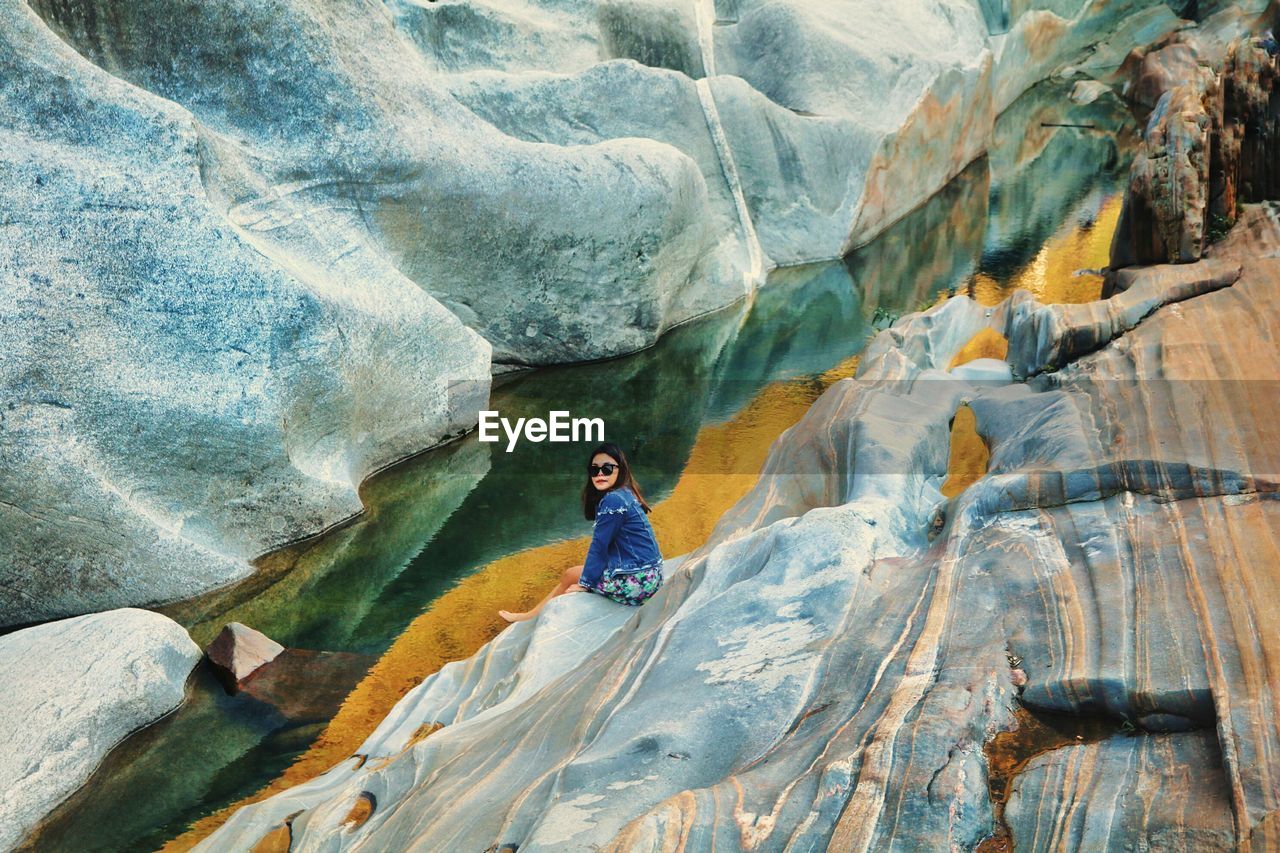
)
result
[(515, 617)]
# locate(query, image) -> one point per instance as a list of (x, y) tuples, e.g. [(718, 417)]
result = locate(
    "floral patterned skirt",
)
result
[(632, 589)]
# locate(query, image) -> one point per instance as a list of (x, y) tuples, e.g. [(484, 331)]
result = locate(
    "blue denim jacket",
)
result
[(622, 540)]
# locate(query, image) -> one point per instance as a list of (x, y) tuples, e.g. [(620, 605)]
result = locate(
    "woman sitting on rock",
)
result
[(623, 562)]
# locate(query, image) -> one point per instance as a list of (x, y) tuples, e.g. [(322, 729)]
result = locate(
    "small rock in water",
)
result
[(239, 651)]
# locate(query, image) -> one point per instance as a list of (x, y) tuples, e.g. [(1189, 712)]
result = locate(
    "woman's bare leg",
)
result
[(568, 583)]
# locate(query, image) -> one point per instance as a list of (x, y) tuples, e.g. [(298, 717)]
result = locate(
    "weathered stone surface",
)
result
[(1167, 205), (1249, 144), (72, 690), (1161, 70), (1210, 146), (1043, 337), (1087, 91), (249, 245), (239, 650), (180, 396), (821, 674)]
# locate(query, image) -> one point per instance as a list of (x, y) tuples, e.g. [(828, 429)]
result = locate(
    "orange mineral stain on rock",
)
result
[(1008, 753), (462, 620), (986, 344), (275, 841), (278, 840), (425, 731), (969, 454)]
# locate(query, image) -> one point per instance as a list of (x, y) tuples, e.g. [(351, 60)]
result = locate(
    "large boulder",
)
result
[(73, 689), (238, 651)]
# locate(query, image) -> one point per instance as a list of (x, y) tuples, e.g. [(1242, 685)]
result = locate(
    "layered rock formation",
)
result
[(824, 672), (1169, 793), (1210, 146), (73, 689)]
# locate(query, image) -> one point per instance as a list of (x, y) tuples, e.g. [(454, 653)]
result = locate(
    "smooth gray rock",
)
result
[(72, 690)]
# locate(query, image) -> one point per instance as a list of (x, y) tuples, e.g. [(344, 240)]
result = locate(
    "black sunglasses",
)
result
[(607, 469)]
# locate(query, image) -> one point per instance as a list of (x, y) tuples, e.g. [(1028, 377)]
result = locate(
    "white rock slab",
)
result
[(73, 689)]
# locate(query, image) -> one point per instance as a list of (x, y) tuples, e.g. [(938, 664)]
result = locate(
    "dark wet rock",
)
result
[(302, 684), (307, 686), (1167, 204), (1249, 145)]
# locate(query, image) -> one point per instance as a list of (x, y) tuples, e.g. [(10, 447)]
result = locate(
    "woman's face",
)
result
[(600, 479)]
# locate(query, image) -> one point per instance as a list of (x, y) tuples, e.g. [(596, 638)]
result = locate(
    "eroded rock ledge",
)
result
[(821, 673)]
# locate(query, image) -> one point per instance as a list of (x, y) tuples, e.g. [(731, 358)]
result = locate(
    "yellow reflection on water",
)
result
[(1051, 276), (969, 454), (986, 344), (463, 619)]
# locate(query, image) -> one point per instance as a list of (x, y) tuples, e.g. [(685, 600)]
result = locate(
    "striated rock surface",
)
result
[(72, 690), (825, 673), (1250, 143), (1168, 793), (1166, 213)]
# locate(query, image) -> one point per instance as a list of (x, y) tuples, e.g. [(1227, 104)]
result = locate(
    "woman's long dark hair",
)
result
[(591, 496)]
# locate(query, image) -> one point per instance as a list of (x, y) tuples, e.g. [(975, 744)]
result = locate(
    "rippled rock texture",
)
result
[(72, 690), (826, 670), (178, 396)]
